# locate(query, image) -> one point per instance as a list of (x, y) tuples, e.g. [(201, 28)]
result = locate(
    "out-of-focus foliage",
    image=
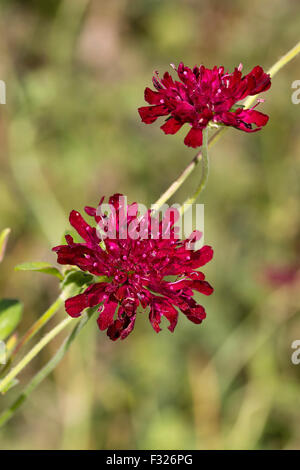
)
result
[(75, 72), (3, 242), (10, 309), (10, 316)]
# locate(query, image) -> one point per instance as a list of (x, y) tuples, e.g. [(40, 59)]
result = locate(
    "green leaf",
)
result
[(74, 282), (3, 242), (45, 268), (10, 316)]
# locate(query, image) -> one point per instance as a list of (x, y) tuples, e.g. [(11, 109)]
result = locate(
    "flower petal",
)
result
[(160, 307), (171, 126), (87, 232), (261, 80), (250, 116), (203, 287), (121, 328), (149, 114), (185, 74), (194, 138), (96, 293), (152, 97), (75, 305), (106, 317), (128, 329), (184, 112), (197, 315), (201, 257)]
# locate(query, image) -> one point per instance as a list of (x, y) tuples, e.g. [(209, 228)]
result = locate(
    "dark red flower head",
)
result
[(135, 266), (203, 96)]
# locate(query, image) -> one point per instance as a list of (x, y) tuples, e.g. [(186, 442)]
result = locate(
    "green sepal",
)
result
[(74, 282)]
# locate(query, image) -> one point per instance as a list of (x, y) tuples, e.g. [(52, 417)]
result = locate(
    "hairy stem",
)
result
[(205, 171)]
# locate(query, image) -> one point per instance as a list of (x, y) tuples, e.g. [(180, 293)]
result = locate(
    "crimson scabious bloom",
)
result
[(205, 95), (135, 267)]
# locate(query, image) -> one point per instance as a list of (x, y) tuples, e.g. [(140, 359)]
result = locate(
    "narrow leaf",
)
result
[(10, 316), (45, 268)]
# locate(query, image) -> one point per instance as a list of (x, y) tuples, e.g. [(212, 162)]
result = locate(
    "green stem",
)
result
[(290, 55), (32, 353), (46, 370), (35, 328), (205, 171), (186, 172), (285, 59)]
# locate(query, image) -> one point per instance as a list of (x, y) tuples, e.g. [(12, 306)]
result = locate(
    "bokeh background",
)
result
[(75, 72)]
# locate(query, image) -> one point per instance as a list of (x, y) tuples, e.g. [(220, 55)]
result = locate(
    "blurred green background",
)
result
[(75, 72)]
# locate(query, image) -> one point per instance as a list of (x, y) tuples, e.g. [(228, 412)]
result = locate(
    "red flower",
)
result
[(277, 276), (135, 267), (202, 96)]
